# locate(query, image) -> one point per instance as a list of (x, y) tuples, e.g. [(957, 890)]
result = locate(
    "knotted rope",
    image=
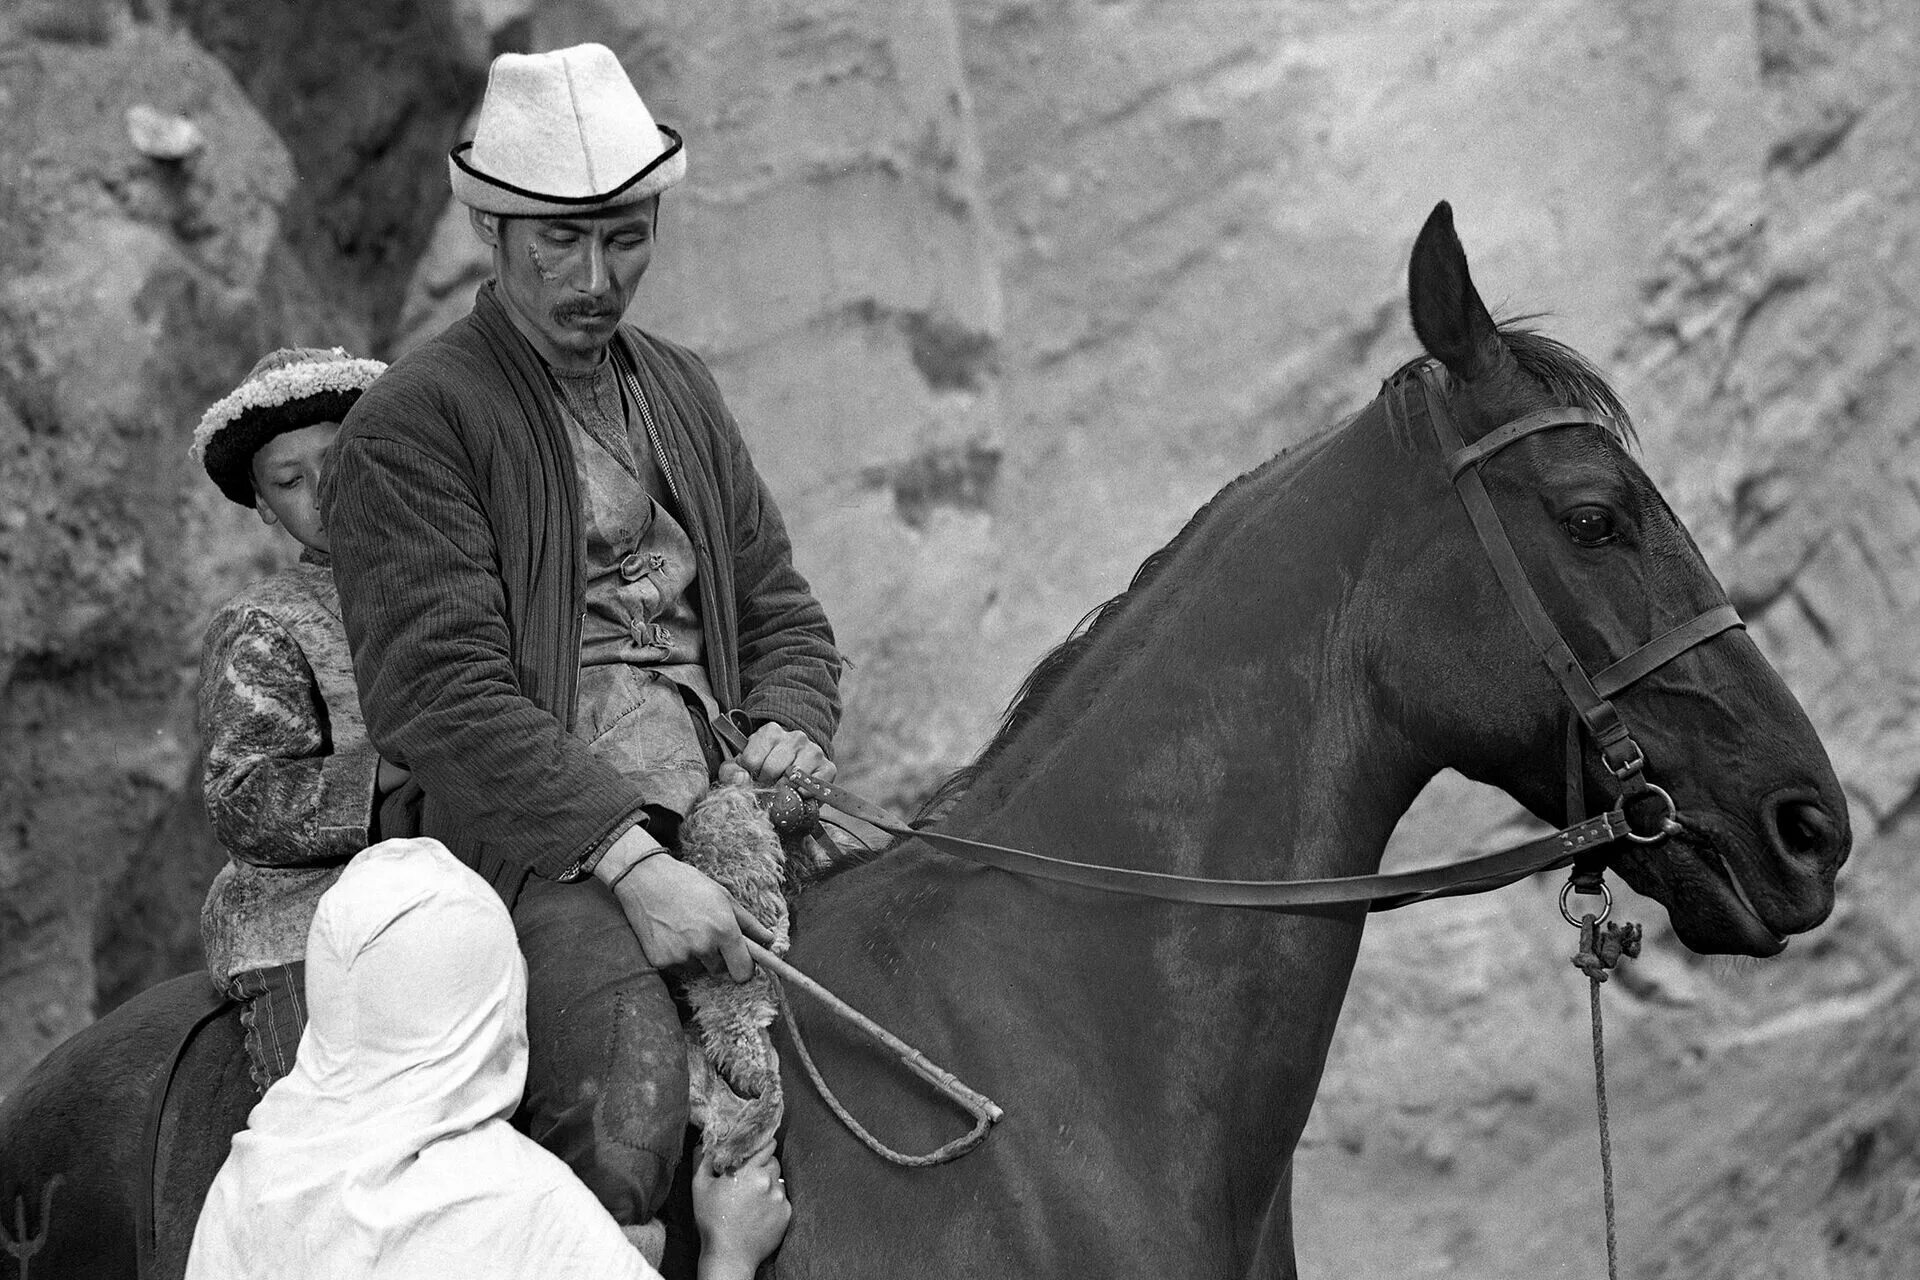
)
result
[(1601, 947)]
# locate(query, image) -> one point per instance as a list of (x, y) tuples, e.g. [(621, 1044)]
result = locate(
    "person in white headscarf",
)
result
[(386, 1151)]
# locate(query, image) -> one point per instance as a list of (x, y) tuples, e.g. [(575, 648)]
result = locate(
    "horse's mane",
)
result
[(1053, 668), (1567, 375), (1044, 678)]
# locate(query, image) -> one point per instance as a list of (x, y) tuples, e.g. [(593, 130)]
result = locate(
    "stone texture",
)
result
[(1820, 1182), (366, 95), (1777, 331), (131, 288), (135, 289)]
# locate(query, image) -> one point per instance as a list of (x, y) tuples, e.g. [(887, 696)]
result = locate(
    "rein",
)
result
[(1384, 892)]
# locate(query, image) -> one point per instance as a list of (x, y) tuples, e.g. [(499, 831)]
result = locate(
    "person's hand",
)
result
[(742, 1215), (771, 751), (679, 915), (390, 776)]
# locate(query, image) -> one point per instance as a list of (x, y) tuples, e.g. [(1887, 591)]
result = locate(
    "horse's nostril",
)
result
[(1803, 829)]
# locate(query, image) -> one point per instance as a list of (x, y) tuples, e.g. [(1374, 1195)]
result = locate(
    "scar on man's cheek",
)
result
[(540, 265)]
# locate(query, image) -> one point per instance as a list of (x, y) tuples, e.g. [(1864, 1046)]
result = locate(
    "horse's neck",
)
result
[(1225, 726)]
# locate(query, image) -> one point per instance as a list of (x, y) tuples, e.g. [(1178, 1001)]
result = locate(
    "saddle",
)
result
[(204, 1100)]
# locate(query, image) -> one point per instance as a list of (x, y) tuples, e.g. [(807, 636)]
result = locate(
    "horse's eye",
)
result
[(1589, 526)]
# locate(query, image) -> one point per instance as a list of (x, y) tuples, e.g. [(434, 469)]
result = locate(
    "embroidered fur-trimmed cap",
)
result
[(563, 134), (288, 389)]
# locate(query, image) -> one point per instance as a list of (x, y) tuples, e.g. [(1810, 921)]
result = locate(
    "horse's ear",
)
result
[(1451, 321)]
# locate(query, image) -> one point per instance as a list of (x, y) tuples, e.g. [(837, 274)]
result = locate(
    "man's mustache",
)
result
[(576, 311)]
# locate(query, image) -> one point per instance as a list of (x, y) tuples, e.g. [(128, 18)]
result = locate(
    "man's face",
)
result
[(567, 281)]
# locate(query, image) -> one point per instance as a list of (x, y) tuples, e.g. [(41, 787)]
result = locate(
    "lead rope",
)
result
[(1601, 948)]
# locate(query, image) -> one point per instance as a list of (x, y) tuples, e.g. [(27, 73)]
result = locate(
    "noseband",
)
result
[(1589, 696)]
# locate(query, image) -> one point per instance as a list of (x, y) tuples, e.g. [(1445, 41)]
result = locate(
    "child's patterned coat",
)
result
[(289, 773)]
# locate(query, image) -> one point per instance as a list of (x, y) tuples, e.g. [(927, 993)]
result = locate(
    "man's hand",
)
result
[(771, 751), (678, 914)]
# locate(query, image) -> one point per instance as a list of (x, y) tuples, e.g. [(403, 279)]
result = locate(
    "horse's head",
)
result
[(1762, 824)]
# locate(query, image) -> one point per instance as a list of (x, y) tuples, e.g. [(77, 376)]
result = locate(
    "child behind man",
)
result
[(290, 778)]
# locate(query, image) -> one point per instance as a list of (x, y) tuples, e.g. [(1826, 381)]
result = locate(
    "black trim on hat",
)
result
[(229, 455), (458, 158)]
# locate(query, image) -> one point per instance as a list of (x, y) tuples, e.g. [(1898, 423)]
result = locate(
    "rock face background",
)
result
[(1001, 291)]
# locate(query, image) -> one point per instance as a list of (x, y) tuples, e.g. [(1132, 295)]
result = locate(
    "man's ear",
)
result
[(486, 226), (266, 512)]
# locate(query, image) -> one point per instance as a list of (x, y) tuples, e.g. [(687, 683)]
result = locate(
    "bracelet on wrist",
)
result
[(627, 870)]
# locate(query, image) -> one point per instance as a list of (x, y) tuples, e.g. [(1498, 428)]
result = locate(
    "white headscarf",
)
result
[(386, 1151)]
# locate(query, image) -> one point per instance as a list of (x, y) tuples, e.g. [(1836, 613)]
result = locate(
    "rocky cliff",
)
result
[(181, 191), (1001, 291)]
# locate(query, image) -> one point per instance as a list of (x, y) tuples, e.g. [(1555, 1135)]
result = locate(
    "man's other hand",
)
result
[(772, 750), (679, 915)]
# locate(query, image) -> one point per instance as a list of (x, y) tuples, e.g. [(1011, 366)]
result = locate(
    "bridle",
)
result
[(1581, 844), (1590, 697)]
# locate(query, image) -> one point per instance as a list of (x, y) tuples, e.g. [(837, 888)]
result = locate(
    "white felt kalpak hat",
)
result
[(563, 134)]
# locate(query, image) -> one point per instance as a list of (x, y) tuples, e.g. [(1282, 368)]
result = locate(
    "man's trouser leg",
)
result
[(607, 1066)]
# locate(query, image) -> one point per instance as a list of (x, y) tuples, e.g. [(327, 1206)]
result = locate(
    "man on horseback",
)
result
[(558, 569)]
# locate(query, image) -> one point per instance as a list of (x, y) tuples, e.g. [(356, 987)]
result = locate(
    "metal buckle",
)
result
[(1624, 771), (1669, 821)]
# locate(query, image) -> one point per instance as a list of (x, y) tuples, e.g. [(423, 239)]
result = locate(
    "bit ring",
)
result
[(1669, 821), (1606, 904)]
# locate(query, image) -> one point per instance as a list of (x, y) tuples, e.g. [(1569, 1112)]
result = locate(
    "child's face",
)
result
[(286, 481)]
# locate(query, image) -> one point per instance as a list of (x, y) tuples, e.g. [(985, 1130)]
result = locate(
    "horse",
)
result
[(1264, 700)]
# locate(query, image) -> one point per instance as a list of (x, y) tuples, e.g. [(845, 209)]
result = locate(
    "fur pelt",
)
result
[(734, 1073)]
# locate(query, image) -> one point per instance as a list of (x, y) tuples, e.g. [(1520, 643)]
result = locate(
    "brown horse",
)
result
[(1263, 702)]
